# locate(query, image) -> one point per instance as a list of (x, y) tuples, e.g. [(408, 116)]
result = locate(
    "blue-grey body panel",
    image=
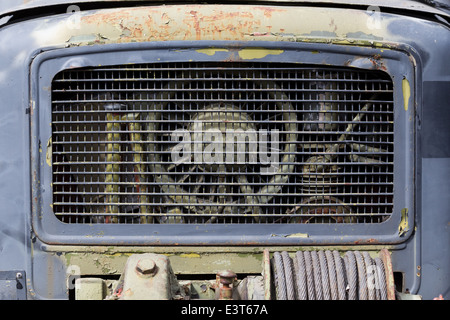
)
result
[(419, 53)]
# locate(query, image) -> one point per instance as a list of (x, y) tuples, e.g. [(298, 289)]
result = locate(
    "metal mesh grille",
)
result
[(222, 143)]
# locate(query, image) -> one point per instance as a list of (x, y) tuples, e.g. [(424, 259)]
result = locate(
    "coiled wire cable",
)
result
[(317, 275), (328, 275), (289, 273), (332, 275), (302, 278), (352, 275), (324, 275), (309, 275), (341, 276), (279, 277)]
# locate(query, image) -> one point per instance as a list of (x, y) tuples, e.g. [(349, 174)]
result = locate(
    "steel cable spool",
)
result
[(309, 275), (289, 273), (280, 279), (381, 278), (352, 278), (324, 274), (340, 276), (332, 275), (328, 275), (302, 281), (317, 275), (362, 279), (371, 277)]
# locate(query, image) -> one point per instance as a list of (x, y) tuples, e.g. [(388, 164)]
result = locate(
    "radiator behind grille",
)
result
[(222, 143)]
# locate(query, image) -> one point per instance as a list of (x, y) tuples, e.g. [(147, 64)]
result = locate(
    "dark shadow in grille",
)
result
[(222, 143)]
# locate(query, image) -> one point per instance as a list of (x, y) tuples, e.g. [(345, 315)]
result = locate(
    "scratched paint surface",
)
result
[(151, 24), (209, 22)]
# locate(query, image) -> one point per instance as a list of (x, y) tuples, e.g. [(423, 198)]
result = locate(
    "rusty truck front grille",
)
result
[(222, 143)]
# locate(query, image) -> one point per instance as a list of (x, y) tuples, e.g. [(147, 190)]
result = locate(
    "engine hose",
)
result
[(328, 275)]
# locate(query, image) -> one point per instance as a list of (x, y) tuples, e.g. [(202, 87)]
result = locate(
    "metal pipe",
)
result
[(113, 159)]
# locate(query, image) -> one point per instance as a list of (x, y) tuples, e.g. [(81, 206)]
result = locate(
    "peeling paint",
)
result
[(211, 51), (406, 93), (403, 226), (297, 235), (257, 53), (292, 235), (212, 22), (48, 155), (83, 38), (190, 255)]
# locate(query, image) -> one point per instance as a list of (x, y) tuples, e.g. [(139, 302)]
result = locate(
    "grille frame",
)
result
[(47, 65)]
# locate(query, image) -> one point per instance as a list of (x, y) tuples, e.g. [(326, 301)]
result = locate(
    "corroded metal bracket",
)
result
[(13, 285), (148, 276)]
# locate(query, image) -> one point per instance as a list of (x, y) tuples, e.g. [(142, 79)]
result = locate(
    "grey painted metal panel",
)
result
[(21, 250)]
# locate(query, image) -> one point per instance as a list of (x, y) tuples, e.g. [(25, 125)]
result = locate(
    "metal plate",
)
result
[(13, 285)]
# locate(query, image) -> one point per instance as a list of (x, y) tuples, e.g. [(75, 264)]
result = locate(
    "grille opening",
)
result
[(222, 143)]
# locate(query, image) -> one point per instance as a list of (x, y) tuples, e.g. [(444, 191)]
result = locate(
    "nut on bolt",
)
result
[(226, 279), (146, 267)]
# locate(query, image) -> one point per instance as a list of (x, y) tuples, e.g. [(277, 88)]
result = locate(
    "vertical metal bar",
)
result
[(113, 159), (134, 129)]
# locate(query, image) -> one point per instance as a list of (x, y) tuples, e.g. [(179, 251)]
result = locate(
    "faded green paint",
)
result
[(48, 155), (257, 53), (211, 51), (406, 88), (99, 260), (404, 224)]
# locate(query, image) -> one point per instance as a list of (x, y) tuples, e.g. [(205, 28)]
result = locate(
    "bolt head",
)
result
[(226, 276), (146, 267)]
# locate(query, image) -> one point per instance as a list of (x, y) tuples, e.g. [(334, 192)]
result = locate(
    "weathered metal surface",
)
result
[(267, 274), (182, 263), (386, 258), (90, 289), (272, 234), (46, 269), (184, 260), (225, 284), (17, 5), (211, 22), (112, 20), (149, 277), (13, 285)]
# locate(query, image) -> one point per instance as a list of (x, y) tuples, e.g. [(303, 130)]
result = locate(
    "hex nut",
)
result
[(146, 267)]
